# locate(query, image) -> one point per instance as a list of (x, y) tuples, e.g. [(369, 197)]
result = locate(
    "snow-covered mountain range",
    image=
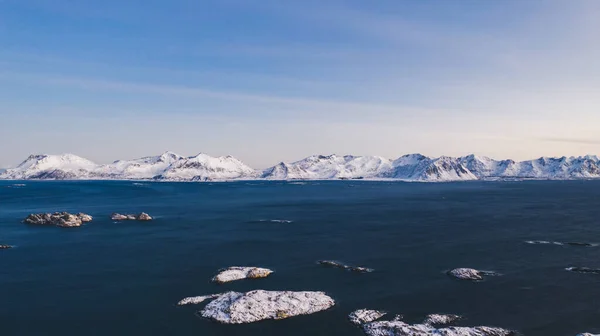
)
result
[(413, 167)]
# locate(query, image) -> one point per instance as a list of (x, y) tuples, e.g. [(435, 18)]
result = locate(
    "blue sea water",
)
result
[(108, 278)]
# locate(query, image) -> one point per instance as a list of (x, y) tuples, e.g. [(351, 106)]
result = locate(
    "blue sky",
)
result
[(272, 80)]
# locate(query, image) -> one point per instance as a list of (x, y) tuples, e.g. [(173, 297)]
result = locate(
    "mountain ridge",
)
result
[(170, 166)]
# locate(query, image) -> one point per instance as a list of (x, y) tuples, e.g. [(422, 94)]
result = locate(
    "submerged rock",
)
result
[(585, 270), (61, 219), (239, 273), (258, 305), (441, 319), (576, 244), (141, 217), (470, 274), (283, 221), (5, 247), (542, 242), (363, 316), (337, 264), (579, 244), (197, 299), (399, 328)]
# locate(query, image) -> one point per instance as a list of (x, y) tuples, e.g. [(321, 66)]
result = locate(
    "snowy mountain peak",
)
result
[(202, 167), (170, 156), (47, 166), (205, 167)]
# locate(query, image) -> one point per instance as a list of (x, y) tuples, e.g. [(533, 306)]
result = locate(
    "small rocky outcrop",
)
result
[(470, 274), (399, 328), (587, 334), (584, 270), (141, 217), (5, 247), (238, 273), (337, 264), (258, 305), (85, 217), (363, 316), (144, 217), (441, 319), (367, 319), (60, 219)]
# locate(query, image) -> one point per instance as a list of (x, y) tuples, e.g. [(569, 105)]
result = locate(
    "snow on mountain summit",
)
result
[(330, 166), (50, 166), (202, 167)]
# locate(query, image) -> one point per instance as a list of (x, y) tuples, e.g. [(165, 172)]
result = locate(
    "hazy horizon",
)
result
[(268, 81)]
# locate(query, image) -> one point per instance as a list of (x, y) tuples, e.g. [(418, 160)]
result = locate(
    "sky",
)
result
[(279, 80)]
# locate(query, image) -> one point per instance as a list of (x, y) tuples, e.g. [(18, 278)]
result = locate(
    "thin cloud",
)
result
[(342, 107), (574, 140)]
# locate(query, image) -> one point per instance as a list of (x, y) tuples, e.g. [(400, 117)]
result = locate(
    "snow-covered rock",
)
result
[(257, 305), (363, 316), (470, 274), (238, 273), (399, 328), (85, 217), (144, 217), (141, 217), (441, 319), (61, 219), (197, 299)]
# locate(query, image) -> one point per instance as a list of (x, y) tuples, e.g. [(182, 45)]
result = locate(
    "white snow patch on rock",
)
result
[(470, 274), (363, 316), (238, 273), (441, 319), (197, 299), (258, 305), (399, 328)]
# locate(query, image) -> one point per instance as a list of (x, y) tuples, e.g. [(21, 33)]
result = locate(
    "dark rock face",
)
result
[(141, 217), (61, 219), (54, 175)]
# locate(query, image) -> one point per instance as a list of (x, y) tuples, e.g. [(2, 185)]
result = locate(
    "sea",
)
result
[(125, 278)]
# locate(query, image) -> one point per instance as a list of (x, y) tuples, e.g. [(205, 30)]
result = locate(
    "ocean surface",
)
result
[(108, 278)]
